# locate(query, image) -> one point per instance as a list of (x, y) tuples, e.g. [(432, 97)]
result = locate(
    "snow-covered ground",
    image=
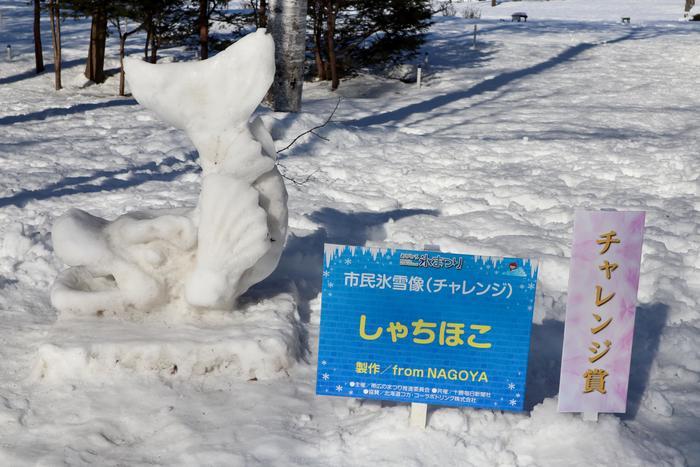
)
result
[(569, 110)]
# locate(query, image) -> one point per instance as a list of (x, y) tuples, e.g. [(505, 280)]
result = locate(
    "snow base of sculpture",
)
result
[(260, 341)]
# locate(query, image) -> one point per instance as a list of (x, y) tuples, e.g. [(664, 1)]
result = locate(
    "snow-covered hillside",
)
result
[(491, 156)]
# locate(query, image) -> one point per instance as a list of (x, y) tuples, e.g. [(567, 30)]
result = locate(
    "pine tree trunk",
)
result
[(55, 15), (38, 52), (287, 21), (318, 41), (335, 82), (154, 47), (203, 30), (94, 70), (122, 43), (149, 31), (689, 4), (262, 14)]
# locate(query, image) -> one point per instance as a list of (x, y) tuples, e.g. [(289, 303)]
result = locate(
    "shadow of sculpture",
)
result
[(301, 264)]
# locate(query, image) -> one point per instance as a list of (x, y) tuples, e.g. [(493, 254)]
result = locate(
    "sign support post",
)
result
[(419, 415)]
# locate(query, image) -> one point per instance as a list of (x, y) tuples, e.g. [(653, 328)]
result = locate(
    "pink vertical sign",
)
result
[(603, 282)]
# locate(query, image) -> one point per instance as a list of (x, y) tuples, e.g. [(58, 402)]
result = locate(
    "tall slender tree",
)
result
[(262, 14), (55, 15), (287, 21), (100, 11), (38, 52), (203, 22), (316, 9), (361, 33), (95, 66), (331, 12), (123, 35)]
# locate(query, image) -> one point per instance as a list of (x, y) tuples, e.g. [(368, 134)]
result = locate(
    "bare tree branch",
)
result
[(294, 180), (312, 130)]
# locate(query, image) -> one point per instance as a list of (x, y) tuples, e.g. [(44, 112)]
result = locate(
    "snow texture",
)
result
[(231, 240), (490, 157)]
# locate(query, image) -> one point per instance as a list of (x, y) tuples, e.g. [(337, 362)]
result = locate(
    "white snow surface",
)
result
[(490, 157), (577, 10)]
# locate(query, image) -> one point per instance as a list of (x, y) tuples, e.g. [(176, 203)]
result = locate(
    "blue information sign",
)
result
[(430, 327)]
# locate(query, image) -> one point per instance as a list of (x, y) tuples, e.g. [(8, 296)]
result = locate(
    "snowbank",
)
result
[(261, 341)]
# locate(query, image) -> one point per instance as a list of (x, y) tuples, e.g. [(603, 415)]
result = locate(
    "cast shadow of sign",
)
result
[(546, 349)]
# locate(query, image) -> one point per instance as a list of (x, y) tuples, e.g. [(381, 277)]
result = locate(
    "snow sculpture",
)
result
[(231, 240)]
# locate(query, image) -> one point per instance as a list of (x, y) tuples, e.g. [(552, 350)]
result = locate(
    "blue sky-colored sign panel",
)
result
[(424, 326)]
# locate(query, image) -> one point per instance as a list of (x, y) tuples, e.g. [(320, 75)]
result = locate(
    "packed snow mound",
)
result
[(477, 438), (147, 260), (260, 342)]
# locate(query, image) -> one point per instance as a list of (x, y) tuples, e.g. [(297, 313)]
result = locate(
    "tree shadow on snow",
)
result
[(62, 111), (165, 170), (546, 349), (443, 55), (48, 68), (488, 85)]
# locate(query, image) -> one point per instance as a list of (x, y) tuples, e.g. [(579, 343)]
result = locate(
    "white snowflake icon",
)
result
[(339, 388), (324, 362), (326, 273), (511, 386), (512, 402), (517, 394), (330, 285), (348, 261), (530, 286), (325, 376)]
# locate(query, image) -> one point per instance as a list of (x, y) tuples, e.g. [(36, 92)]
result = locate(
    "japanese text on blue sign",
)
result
[(428, 327)]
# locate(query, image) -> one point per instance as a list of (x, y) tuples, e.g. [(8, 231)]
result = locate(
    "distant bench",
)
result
[(625, 20), (518, 16)]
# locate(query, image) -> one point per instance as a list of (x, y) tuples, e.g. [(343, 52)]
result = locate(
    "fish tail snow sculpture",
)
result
[(235, 235)]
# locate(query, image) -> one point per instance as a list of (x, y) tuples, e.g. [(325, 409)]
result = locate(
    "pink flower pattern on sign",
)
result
[(603, 282)]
